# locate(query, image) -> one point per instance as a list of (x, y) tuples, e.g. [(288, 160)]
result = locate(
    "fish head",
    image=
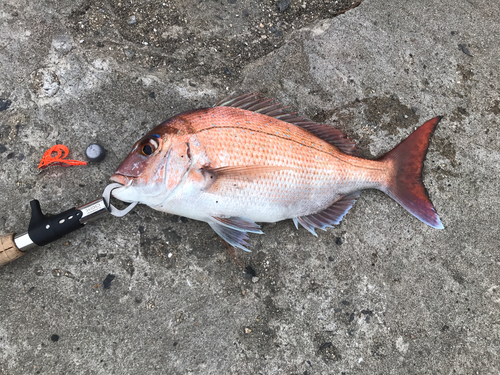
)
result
[(154, 167)]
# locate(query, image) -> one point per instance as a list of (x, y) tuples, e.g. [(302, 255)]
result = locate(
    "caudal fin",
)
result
[(406, 187)]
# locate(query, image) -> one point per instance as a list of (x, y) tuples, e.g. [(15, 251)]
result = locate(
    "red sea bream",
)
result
[(246, 161)]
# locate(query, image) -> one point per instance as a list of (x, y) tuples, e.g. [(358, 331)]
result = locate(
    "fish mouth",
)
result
[(122, 192), (121, 179)]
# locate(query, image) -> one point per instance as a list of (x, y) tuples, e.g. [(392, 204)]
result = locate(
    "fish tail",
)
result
[(405, 185)]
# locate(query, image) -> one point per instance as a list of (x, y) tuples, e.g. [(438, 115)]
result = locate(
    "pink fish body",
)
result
[(246, 161)]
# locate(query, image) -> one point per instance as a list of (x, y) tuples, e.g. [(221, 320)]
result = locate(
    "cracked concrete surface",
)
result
[(156, 294)]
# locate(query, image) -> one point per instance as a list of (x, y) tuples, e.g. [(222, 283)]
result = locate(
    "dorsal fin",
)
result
[(253, 102)]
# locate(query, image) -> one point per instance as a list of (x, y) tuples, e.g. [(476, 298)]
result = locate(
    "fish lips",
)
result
[(121, 192), (120, 179), (133, 191), (125, 193)]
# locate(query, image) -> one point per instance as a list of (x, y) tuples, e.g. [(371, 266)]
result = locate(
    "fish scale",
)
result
[(232, 167), (283, 184), (325, 176)]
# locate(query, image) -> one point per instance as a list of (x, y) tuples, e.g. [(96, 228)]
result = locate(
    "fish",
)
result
[(246, 160)]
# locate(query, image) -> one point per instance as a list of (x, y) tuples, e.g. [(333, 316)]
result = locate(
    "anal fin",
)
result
[(330, 216)]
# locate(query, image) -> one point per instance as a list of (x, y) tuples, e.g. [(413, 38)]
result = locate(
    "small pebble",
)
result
[(107, 281), (132, 20), (4, 104), (250, 271), (464, 49), (39, 271), (95, 152), (283, 5), (57, 272)]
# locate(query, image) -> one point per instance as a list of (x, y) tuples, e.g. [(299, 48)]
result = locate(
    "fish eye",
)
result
[(147, 150), (148, 147)]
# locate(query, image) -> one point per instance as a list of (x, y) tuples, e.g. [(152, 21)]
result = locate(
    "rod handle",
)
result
[(8, 249)]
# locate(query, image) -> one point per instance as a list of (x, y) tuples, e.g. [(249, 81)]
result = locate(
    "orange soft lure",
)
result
[(56, 155)]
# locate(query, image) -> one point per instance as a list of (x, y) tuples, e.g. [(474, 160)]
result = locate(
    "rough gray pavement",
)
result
[(155, 294)]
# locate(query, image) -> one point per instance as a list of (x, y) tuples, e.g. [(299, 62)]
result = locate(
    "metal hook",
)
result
[(106, 195)]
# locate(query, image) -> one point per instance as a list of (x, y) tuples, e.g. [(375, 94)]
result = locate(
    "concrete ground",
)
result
[(150, 293)]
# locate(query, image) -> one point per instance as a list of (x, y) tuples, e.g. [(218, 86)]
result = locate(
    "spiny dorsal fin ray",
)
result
[(235, 101), (332, 215), (252, 102)]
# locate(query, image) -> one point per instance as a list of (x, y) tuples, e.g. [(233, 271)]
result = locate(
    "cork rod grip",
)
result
[(8, 249)]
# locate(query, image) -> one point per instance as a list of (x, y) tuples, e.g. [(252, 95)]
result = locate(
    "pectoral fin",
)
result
[(244, 171), (234, 230)]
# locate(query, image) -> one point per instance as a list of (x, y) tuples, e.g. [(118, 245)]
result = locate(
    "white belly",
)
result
[(252, 200)]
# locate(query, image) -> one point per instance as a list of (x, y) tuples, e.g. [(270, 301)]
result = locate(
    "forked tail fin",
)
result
[(406, 187)]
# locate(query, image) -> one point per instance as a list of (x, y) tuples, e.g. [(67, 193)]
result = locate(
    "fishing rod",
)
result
[(44, 229)]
